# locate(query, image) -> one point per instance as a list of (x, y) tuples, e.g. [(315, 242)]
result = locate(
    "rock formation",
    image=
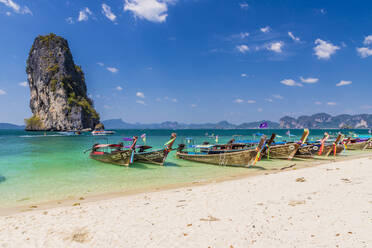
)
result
[(59, 98)]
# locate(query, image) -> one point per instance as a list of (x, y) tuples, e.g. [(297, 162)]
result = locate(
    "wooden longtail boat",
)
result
[(113, 153), (154, 157), (287, 150), (358, 144), (244, 158)]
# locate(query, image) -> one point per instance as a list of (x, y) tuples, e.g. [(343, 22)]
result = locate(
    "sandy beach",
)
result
[(324, 206)]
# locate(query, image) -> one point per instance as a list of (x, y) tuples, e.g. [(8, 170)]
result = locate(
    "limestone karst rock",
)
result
[(59, 98)]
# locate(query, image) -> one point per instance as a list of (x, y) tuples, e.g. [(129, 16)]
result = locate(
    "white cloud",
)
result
[(8, 13), (265, 29), (113, 69), (324, 49), (151, 10), (23, 84), (275, 46), (309, 80), (323, 11), (251, 101), (84, 14), (70, 20), (141, 102), (140, 94), (107, 106), (16, 7), (244, 35), (343, 83), (331, 103), (259, 110), (290, 82), (293, 37), (242, 48), (367, 40), (277, 96), (2, 92), (174, 100), (243, 75), (119, 88), (244, 5), (193, 105), (239, 100), (100, 64), (158, 99), (269, 99), (318, 103), (106, 10), (364, 52)]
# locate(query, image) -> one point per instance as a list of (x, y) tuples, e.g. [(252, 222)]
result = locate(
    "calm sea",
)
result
[(36, 168)]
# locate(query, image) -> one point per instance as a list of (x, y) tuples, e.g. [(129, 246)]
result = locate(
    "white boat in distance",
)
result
[(102, 132)]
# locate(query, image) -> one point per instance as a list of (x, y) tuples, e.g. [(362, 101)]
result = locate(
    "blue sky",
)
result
[(198, 60)]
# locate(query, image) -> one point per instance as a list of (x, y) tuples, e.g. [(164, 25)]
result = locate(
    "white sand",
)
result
[(331, 208)]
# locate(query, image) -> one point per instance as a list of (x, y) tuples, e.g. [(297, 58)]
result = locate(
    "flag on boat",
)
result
[(143, 137), (288, 133), (369, 131), (216, 138), (264, 125)]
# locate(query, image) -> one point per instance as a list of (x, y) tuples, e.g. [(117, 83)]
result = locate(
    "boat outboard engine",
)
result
[(181, 147), (205, 143)]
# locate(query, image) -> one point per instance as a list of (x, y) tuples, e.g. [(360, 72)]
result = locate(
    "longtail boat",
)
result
[(322, 148), (358, 144), (242, 158), (156, 156), (114, 153), (286, 150)]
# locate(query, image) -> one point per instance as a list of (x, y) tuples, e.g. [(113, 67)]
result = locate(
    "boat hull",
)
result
[(285, 151), (306, 151), (238, 159), (359, 145), (121, 158), (153, 157), (339, 149)]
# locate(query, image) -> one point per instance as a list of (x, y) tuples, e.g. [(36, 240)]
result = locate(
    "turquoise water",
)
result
[(36, 168)]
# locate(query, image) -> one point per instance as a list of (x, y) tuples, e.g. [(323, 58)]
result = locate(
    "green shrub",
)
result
[(53, 68), (34, 123), (53, 84)]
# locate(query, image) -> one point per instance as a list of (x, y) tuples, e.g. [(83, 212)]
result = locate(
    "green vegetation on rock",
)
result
[(53, 84), (53, 68), (84, 103), (34, 123)]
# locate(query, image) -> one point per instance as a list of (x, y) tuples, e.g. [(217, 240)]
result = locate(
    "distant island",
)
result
[(316, 121)]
